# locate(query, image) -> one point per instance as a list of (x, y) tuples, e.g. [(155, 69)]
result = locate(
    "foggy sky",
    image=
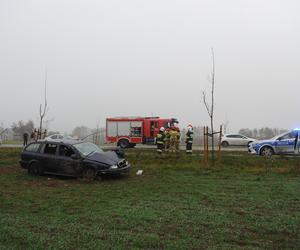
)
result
[(137, 57)]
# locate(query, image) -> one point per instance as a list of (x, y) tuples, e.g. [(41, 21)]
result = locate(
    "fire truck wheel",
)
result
[(123, 143)]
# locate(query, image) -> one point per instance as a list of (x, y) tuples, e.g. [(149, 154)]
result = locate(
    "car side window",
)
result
[(65, 151), (50, 148), (34, 147), (288, 136)]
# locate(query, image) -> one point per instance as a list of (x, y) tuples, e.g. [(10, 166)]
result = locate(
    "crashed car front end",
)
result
[(122, 167), (108, 163)]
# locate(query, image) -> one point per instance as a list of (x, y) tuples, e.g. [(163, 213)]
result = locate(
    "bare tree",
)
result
[(210, 107), (43, 110), (225, 126)]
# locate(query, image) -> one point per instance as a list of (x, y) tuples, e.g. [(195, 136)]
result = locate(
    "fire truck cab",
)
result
[(129, 131)]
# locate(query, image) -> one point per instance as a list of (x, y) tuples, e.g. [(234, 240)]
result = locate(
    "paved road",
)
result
[(111, 146)]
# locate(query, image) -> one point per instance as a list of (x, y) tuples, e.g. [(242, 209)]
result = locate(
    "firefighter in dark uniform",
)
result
[(189, 139), (160, 140)]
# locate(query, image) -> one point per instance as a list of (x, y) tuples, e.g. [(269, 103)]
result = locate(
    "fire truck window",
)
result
[(136, 131), (156, 124)]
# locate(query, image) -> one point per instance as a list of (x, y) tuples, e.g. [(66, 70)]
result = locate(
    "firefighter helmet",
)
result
[(162, 129)]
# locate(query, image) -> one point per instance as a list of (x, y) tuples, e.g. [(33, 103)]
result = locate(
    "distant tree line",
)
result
[(20, 127), (262, 133)]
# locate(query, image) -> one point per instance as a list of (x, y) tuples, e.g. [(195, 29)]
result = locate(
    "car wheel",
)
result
[(266, 151), (225, 144), (34, 169), (89, 174), (123, 143)]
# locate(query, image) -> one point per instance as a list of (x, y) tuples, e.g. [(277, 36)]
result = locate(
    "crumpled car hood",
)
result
[(110, 158)]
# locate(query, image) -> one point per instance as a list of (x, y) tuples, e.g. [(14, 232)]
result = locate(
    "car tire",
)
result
[(89, 174), (225, 144), (123, 143), (34, 169), (266, 151)]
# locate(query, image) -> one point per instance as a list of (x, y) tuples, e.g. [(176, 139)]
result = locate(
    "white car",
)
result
[(236, 140), (58, 137), (54, 137)]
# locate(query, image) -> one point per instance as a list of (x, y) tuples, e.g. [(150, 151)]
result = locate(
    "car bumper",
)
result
[(252, 151), (123, 170)]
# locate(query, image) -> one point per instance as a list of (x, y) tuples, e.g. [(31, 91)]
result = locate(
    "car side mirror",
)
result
[(74, 157)]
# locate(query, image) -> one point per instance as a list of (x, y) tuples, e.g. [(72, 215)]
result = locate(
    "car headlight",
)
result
[(113, 167)]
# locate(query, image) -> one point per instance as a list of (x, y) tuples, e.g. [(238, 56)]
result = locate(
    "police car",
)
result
[(286, 143)]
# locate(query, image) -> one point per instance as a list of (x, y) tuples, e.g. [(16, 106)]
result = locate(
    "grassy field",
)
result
[(243, 202), (13, 142)]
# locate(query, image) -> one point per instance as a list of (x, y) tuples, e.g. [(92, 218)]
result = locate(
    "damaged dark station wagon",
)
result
[(72, 158)]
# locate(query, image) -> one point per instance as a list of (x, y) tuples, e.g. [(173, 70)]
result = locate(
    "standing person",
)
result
[(35, 134), (296, 142), (167, 139), (44, 134), (189, 139), (25, 138), (39, 134), (173, 139), (160, 140), (177, 142), (32, 135)]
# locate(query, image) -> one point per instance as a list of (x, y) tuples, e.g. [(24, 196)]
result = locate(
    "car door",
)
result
[(235, 140), (230, 139), (48, 157), (67, 164), (239, 140), (285, 144), (245, 141)]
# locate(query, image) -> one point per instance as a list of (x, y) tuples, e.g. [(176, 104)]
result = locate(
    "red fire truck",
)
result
[(129, 131)]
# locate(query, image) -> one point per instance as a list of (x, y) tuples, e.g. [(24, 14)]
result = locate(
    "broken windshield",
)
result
[(87, 148)]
